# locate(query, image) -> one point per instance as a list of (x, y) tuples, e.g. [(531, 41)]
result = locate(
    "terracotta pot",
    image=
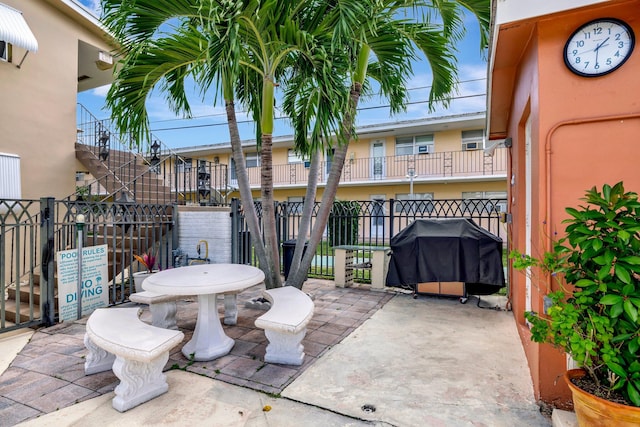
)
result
[(593, 411)]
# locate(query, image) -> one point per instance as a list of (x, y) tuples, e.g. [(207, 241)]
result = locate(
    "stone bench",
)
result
[(285, 324), (163, 308), (137, 352)]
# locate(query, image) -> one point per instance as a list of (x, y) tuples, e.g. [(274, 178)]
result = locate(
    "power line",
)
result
[(242, 111), (453, 98)]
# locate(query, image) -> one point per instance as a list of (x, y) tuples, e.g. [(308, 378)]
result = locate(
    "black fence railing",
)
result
[(33, 232), (20, 257), (362, 223)]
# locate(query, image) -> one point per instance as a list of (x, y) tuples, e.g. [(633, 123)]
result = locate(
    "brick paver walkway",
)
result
[(48, 374)]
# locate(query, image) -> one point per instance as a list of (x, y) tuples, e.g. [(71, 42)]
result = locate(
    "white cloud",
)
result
[(101, 91), (92, 5), (159, 110)]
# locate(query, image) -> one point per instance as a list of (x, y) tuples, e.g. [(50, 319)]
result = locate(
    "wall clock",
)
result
[(599, 47)]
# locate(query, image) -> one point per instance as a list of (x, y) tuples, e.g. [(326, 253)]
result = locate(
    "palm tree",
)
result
[(385, 44), (200, 43), (240, 49)]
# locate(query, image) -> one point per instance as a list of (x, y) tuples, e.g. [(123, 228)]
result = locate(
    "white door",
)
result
[(527, 218), (377, 159), (328, 160), (377, 216)]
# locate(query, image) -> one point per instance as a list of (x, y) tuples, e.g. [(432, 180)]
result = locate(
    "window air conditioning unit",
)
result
[(469, 146)]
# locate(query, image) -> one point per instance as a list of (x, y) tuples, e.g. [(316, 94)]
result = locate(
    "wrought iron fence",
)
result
[(33, 231), (19, 262), (362, 223)]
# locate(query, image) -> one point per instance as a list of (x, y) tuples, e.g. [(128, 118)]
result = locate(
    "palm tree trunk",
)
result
[(305, 220), (330, 190), (268, 214), (245, 189)]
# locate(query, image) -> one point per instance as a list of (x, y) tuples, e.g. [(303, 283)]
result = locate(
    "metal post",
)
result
[(80, 226), (411, 174), (235, 231), (47, 286)]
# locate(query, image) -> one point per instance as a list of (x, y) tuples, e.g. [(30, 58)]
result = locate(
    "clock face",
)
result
[(599, 47)]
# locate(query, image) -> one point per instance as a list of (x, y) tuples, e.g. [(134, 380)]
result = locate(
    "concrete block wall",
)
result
[(209, 223)]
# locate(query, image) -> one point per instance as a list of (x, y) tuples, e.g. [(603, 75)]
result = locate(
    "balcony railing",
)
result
[(448, 164)]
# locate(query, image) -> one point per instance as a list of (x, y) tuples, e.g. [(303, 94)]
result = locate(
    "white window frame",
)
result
[(487, 207), (423, 203), (472, 140), (418, 144), (4, 51), (294, 157), (185, 166), (251, 158), (295, 204)]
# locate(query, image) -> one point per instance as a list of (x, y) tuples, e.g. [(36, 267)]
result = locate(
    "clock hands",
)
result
[(602, 44), (597, 48)]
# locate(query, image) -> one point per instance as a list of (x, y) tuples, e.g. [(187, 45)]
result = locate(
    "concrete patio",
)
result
[(373, 358)]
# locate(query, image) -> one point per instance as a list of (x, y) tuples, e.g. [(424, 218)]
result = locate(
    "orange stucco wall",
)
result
[(584, 133)]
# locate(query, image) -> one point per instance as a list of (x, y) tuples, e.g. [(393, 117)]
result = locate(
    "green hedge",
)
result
[(343, 223)]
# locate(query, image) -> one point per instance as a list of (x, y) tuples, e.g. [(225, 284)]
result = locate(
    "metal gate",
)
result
[(33, 231)]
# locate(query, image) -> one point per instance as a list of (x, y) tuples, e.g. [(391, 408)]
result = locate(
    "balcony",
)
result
[(438, 166)]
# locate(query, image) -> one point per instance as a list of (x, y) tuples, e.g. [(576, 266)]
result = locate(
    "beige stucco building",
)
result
[(67, 51), (432, 158)]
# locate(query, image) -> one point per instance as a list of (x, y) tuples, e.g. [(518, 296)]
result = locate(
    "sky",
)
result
[(208, 125)]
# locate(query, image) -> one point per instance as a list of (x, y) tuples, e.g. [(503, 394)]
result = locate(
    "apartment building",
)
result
[(433, 158)]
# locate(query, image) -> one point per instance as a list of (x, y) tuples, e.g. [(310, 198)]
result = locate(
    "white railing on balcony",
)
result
[(425, 166)]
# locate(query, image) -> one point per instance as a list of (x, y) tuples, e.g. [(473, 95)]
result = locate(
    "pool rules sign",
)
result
[(94, 281)]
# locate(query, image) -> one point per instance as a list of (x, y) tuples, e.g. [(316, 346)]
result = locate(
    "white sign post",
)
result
[(94, 287)]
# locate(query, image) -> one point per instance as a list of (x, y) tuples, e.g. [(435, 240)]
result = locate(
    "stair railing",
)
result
[(163, 163), (120, 159)]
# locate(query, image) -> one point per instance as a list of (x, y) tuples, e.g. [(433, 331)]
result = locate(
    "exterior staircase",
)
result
[(123, 177), (141, 188), (123, 174)]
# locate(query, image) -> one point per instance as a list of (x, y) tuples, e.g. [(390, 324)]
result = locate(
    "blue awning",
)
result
[(14, 29)]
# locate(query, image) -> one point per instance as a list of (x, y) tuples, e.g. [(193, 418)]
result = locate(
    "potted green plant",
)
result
[(594, 315), (148, 261)]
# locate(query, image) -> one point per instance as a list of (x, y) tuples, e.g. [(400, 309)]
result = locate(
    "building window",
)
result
[(483, 201), (183, 165), (252, 160), (472, 140), (4, 51), (408, 145), (420, 204), (294, 205), (294, 157)]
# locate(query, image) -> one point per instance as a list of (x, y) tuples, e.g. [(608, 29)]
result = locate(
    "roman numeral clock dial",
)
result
[(599, 47)]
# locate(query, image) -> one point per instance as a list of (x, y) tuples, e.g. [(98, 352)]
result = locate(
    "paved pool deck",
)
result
[(373, 358)]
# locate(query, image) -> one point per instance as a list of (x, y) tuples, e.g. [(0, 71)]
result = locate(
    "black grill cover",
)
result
[(447, 250)]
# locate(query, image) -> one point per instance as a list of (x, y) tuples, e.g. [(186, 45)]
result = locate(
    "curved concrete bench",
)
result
[(138, 352), (163, 307), (285, 324)]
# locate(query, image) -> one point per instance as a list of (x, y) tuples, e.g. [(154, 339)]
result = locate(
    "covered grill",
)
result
[(447, 250)]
